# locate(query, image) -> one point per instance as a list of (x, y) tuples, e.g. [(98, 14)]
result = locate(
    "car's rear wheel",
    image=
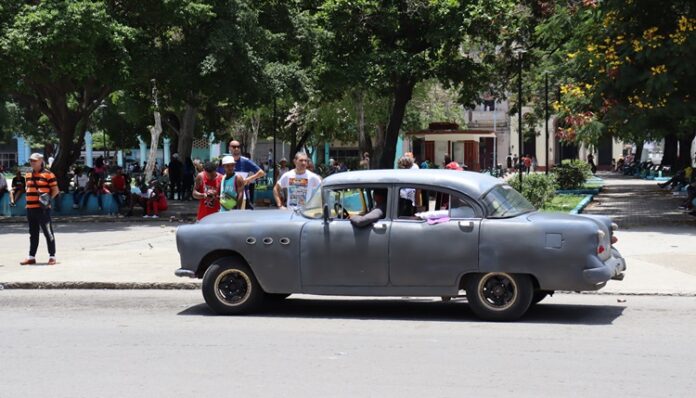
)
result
[(499, 296), (230, 288)]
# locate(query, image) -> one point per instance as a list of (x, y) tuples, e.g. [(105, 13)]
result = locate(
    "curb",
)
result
[(101, 219), (581, 206), (100, 285), (197, 285)]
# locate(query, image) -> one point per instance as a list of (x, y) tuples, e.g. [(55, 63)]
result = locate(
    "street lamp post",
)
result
[(273, 160), (546, 119), (519, 115)]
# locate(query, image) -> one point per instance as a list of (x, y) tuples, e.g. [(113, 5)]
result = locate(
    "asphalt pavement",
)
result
[(97, 343)]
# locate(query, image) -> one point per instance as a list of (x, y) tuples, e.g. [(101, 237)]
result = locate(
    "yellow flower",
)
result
[(572, 55), (659, 69), (637, 46), (591, 48)]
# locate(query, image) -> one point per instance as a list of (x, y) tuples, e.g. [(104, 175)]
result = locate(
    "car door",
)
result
[(335, 253), (435, 250)]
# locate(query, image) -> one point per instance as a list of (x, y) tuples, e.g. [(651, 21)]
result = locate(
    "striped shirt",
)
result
[(37, 184)]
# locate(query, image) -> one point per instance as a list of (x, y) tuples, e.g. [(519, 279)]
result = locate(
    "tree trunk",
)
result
[(379, 146), (188, 125), (364, 142), (685, 149), (402, 95), (669, 158), (70, 149), (155, 132), (639, 150)]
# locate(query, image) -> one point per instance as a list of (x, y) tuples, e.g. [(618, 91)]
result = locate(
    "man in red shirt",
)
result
[(207, 190), (120, 189)]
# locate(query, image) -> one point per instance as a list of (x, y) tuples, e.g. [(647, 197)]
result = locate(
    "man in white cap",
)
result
[(231, 187), (41, 187)]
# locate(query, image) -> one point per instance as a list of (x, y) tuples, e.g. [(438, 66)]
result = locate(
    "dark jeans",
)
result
[(120, 198), (40, 219), (251, 188), (2, 194), (78, 195), (176, 187), (86, 199)]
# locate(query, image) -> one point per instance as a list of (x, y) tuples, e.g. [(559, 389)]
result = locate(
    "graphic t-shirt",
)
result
[(300, 186)]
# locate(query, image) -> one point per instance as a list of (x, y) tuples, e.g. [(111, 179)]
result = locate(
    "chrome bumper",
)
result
[(612, 268), (182, 272)]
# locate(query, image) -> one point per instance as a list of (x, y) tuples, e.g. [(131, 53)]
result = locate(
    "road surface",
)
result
[(90, 343)]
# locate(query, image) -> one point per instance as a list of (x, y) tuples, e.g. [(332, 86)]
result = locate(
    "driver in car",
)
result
[(377, 213)]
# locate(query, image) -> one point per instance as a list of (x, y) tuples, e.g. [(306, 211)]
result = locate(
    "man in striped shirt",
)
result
[(41, 187)]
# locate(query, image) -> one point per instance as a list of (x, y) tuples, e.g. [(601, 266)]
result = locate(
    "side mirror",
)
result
[(325, 212)]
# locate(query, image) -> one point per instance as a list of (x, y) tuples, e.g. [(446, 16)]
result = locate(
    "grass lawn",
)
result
[(563, 203)]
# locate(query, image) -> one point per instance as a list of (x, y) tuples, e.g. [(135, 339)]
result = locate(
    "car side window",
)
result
[(460, 208), (346, 202), (426, 204)]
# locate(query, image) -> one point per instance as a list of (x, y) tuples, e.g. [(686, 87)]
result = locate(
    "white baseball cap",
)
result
[(36, 156), (228, 160)]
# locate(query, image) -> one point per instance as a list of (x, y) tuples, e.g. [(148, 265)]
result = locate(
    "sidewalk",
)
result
[(658, 241)]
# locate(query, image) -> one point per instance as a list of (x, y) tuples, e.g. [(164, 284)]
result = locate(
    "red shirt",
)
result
[(118, 183), (209, 205)]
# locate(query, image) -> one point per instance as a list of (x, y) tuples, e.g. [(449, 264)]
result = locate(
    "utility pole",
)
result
[(519, 118), (546, 119), (275, 130)]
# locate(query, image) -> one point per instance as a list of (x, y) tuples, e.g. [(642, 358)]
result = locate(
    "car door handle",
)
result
[(467, 226), (380, 227)]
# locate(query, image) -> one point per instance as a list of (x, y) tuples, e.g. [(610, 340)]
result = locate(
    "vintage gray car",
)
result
[(442, 232)]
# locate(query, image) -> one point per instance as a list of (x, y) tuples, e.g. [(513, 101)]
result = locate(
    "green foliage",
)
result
[(572, 174), (537, 188), (563, 203), (624, 67)]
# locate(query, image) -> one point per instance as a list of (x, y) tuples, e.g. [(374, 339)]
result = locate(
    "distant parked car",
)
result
[(442, 232)]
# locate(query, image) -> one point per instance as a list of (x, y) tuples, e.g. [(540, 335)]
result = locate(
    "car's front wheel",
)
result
[(230, 288), (499, 296)]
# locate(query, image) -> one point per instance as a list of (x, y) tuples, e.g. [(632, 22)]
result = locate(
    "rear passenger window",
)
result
[(419, 204)]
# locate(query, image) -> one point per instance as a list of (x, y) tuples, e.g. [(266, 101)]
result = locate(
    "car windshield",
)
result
[(504, 201), (312, 208)]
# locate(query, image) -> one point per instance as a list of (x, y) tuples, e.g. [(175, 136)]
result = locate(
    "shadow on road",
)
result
[(425, 310)]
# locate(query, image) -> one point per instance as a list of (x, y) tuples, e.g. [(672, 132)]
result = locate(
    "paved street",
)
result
[(166, 343)]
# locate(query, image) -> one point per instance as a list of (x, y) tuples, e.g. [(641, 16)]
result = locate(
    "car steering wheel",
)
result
[(341, 210)]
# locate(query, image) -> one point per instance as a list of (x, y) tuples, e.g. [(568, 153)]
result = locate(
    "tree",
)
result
[(626, 70), (63, 58), (394, 45), (208, 52)]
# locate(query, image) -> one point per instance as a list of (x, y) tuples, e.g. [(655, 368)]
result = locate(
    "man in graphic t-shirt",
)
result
[(298, 184)]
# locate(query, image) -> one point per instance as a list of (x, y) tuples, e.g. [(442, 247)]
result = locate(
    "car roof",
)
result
[(470, 183)]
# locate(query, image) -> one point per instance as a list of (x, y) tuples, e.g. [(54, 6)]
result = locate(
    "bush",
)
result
[(572, 174), (537, 188)]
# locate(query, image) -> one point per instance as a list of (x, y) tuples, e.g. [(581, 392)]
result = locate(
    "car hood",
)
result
[(255, 216)]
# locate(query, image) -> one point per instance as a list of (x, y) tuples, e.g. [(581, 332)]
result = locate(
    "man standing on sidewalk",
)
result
[(41, 186), (245, 167)]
